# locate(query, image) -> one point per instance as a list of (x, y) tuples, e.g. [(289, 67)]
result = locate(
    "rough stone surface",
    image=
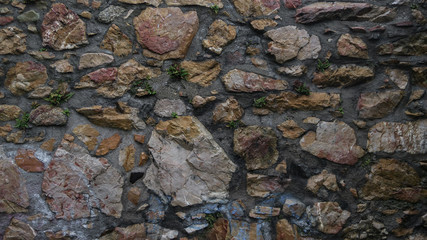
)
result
[(262, 185), (89, 60), (19, 230), (253, 8), (127, 157), (25, 77), (202, 73), (63, 66), (351, 46), (108, 144), (199, 101), (263, 212), (419, 76), (187, 156), (228, 111), (289, 100), (26, 160), (290, 129), (9, 112), (366, 228), (378, 104), (12, 41), (88, 135), (219, 35), (335, 141), (412, 45), (325, 179), (63, 29), (204, 3), (284, 229), (294, 71), (329, 216), (165, 107), (155, 3), (47, 115), (29, 16), (261, 24), (398, 77), (393, 137), (110, 13), (344, 76), (241, 81), (165, 33), (117, 42), (393, 179)]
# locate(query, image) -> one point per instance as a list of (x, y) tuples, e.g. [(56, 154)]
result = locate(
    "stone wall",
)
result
[(210, 119)]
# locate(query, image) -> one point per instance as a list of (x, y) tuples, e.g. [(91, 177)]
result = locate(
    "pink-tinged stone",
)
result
[(263, 185), (47, 115), (26, 160), (63, 29), (12, 41), (13, 192), (256, 8), (335, 141), (350, 46), (228, 111), (329, 216), (241, 81), (292, 4), (378, 104), (5, 20), (393, 137), (165, 33), (25, 77), (97, 78)]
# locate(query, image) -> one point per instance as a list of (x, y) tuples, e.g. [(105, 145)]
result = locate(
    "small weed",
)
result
[(260, 102), (301, 88), (42, 50), (215, 8), (322, 66), (56, 98), (211, 218), (174, 115), (341, 110), (367, 161), (22, 123), (176, 72), (66, 112), (233, 124), (35, 105), (414, 6), (142, 84)]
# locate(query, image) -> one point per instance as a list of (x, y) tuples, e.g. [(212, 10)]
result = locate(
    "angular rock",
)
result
[(9, 112), (89, 60), (6, 20), (47, 115), (19, 230), (343, 11), (26, 160), (294, 71), (414, 45), (292, 4), (110, 13), (254, 8), (122, 116), (334, 141), (12, 41), (325, 179), (75, 182), (219, 35), (219, 230), (108, 144), (393, 179), (241, 81), (42, 55), (228, 111), (199, 101), (63, 66), (378, 104), (29, 16), (245, 230), (344, 76), (133, 195), (63, 29), (127, 157), (261, 24), (350, 46), (204, 3), (117, 42), (141, 231), (13, 193), (189, 165), (290, 100), (393, 137), (40, 92), (329, 216), (202, 73), (25, 77), (398, 76), (263, 212), (88, 135), (419, 76), (165, 33), (369, 228), (5, 130), (97, 78), (48, 145), (290, 129), (257, 146), (290, 42), (165, 107), (155, 3), (284, 230), (293, 207)]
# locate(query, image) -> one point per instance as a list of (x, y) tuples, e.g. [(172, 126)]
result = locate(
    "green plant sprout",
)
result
[(322, 66), (211, 218), (56, 98), (215, 8), (174, 115), (233, 124), (341, 110), (22, 123), (66, 112), (176, 72), (301, 88), (142, 84), (35, 105), (260, 102)]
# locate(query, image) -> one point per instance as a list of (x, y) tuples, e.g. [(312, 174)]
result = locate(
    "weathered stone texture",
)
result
[(254, 8), (378, 104), (201, 73), (344, 76), (228, 111), (219, 35), (116, 42), (241, 81), (25, 77), (329, 216), (12, 41), (289, 100)]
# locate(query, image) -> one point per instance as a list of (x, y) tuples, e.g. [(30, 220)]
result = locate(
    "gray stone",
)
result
[(110, 13), (165, 107), (30, 16), (378, 104), (89, 60)]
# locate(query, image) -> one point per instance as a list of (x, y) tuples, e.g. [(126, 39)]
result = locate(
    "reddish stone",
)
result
[(103, 75), (108, 145), (378, 28), (5, 20), (139, 138), (292, 4), (26, 160)]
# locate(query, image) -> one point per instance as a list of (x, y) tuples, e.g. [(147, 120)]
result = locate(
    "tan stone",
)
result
[(139, 138), (143, 159), (350, 46), (108, 144), (117, 42), (90, 60), (261, 24), (254, 8), (48, 145), (25, 77), (328, 180), (344, 76), (202, 73), (219, 35), (290, 100), (286, 231), (26, 160), (290, 129), (204, 3), (19, 230), (241, 81), (9, 112), (133, 195), (12, 41), (228, 111), (88, 135), (155, 3), (127, 157), (63, 66)]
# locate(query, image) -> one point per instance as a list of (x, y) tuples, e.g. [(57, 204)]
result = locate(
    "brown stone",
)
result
[(414, 45), (48, 145), (325, 179), (344, 76), (19, 230), (63, 66), (5, 130), (42, 55), (143, 159), (127, 157), (220, 230), (378, 104), (199, 101), (350, 46), (155, 3), (294, 71), (286, 231), (262, 185), (399, 77), (244, 230), (289, 100), (329, 216), (204, 3), (264, 212), (90, 60), (202, 73), (241, 81), (139, 138), (108, 144), (253, 8), (9, 112), (117, 42), (228, 111), (25, 77), (48, 115), (219, 35), (88, 135), (134, 194), (419, 76), (26, 160), (165, 33), (12, 41), (261, 24), (290, 129)]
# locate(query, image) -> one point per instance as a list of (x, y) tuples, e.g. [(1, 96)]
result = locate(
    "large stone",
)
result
[(343, 11), (90, 60), (110, 13), (256, 8), (9, 112), (88, 135), (202, 73), (258, 185), (74, 183), (47, 115), (228, 111), (204, 3), (378, 104), (325, 179), (98, 78), (219, 35), (140, 231), (286, 231), (63, 29), (294, 71), (290, 100), (127, 157), (121, 116), (329, 216), (393, 179), (188, 164), (12, 41), (155, 3), (334, 141), (241, 81), (414, 45), (393, 137), (13, 192), (257, 146), (219, 230), (344, 76), (26, 160), (117, 42), (165, 33), (19, 230), (108, 144), (290, 129), (165, 107), (349, 46), (290, 42), (25, 77)]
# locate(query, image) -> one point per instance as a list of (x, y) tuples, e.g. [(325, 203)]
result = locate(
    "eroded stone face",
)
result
[(63, 29), (378, 104), (241, 81), (228, 111), (290, 100), (189, 165), (12, 41), (350, 46), (25, 77), (165, 33), (19, 230), (219, 35), (204, 3), (335, 141), (47, 115), (414, 45), (344, 76), (155, 3), (9, 112), (256, 8), (117, 42), (258, 185), (329, 216), (201, 73)]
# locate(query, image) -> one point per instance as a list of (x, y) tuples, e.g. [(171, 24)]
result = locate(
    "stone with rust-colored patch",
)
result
[(254, 8), (289, 100), (127, 157), (12, 41), (258, 185), (48, 145), (344, 76), (25, 77), (241, 81), (285, 230), (378, 104), (88, 135), (48, 115), (143, 159), (117, 42), (351, 46), (9, 112), (290, 129), (202, 73), (139, 138), (108, 144), (26, 160), (219, 35), (228, 111)]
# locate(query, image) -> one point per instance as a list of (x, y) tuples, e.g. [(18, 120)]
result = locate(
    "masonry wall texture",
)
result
[(295, 119)]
